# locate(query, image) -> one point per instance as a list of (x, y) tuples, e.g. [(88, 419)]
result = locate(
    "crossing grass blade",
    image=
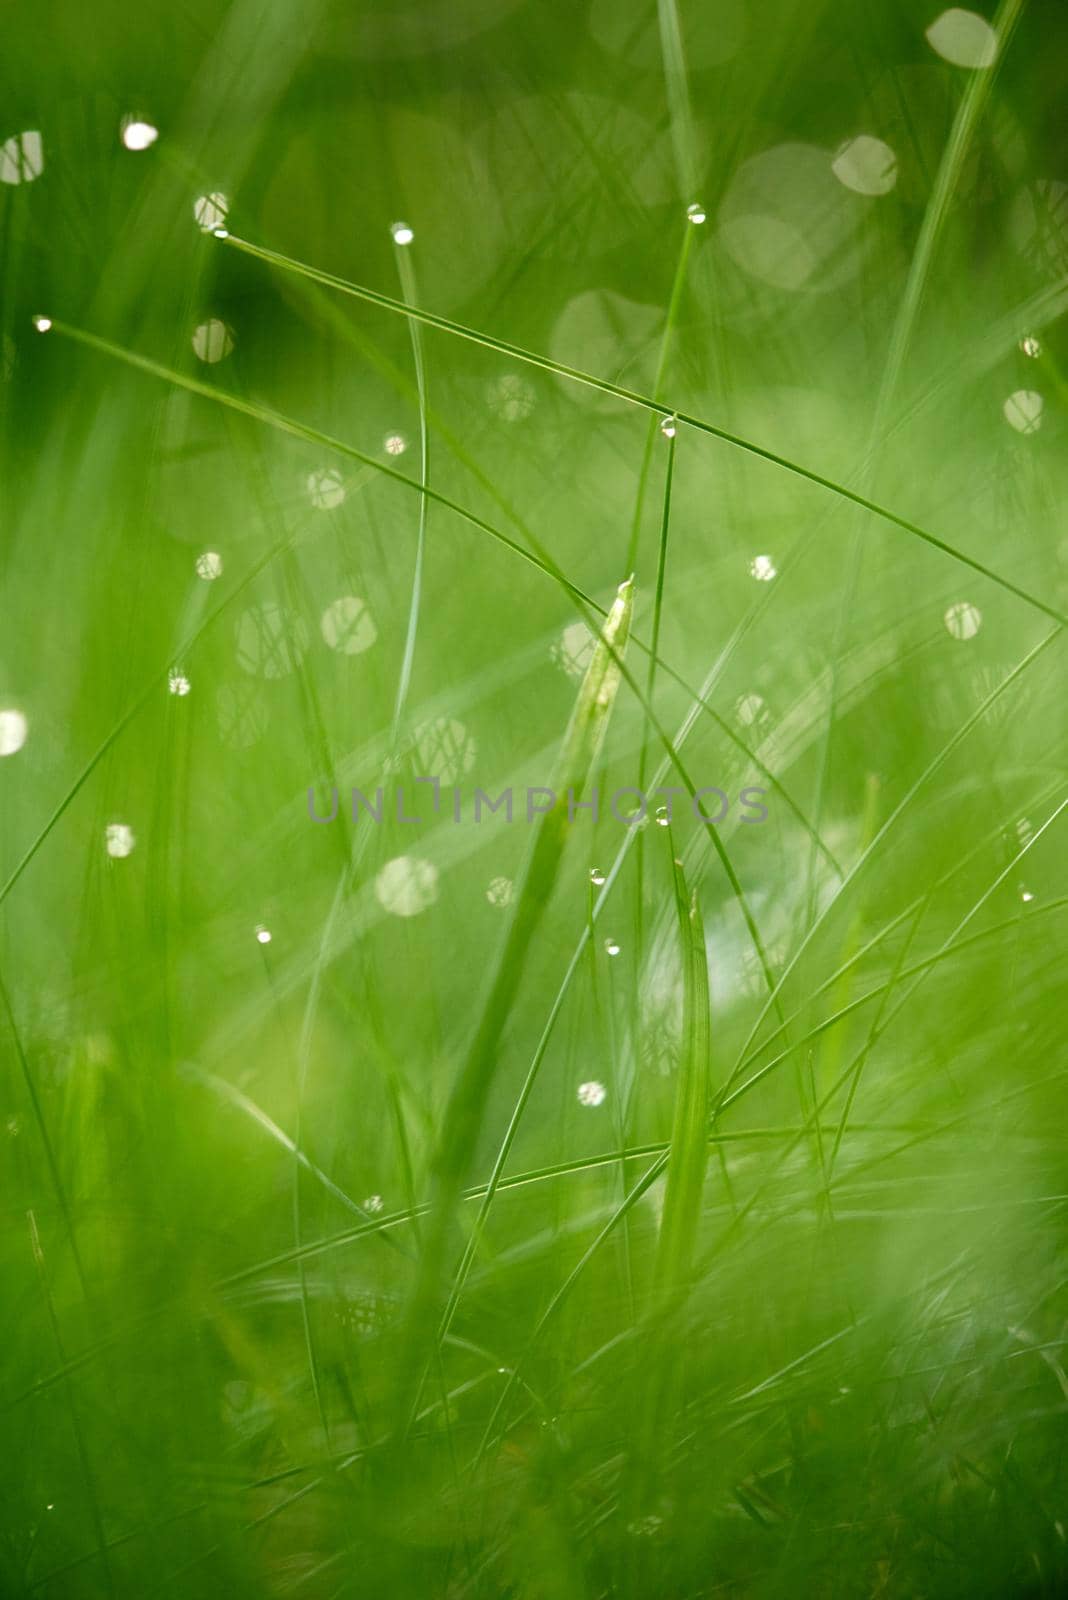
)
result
[(684, 1187), (463, 1115)]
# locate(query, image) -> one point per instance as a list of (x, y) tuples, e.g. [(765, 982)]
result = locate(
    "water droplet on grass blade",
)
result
[(209, 211), (669, 427), (592, 1093), (402, 233), (696, 213), (596, 877), (612, 947)]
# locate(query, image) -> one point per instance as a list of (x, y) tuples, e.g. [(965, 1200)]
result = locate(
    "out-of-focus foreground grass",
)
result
[(682, 1214)]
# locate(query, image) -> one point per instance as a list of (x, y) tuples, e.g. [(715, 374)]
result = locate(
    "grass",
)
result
[(508, 1210)]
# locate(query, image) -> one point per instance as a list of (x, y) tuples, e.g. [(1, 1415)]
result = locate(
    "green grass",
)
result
[(579, 1210)]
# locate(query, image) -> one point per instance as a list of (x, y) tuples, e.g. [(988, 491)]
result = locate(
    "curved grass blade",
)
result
[(661, 408)]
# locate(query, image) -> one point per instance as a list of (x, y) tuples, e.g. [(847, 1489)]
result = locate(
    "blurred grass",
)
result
[(776, 1305)]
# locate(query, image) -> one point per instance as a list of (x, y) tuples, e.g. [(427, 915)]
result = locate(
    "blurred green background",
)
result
[(228, 1036)]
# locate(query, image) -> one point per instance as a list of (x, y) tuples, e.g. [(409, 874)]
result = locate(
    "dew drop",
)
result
[(138, 134), (662, 818), (612, 947), (402, 233), (669, 427), (178, 684), (596, 877), (763, 569), (373, 1204), (696, 213), (42, 324), (1031, 347), (263, 935), (592, 1093), (1026, 895), (209, 212)]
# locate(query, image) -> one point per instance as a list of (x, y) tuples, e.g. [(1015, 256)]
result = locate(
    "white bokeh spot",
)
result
[(21, 158), (963, 38), (1023, 410), (406, 886), (209, 565), (963, 620), (347, 625), (444, 749), (119, 840), (574, 649), (327, 489), (866, 165), (14, 729), (212, 341)]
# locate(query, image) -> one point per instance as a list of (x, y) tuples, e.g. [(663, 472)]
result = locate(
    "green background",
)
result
[(856, 1387)]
